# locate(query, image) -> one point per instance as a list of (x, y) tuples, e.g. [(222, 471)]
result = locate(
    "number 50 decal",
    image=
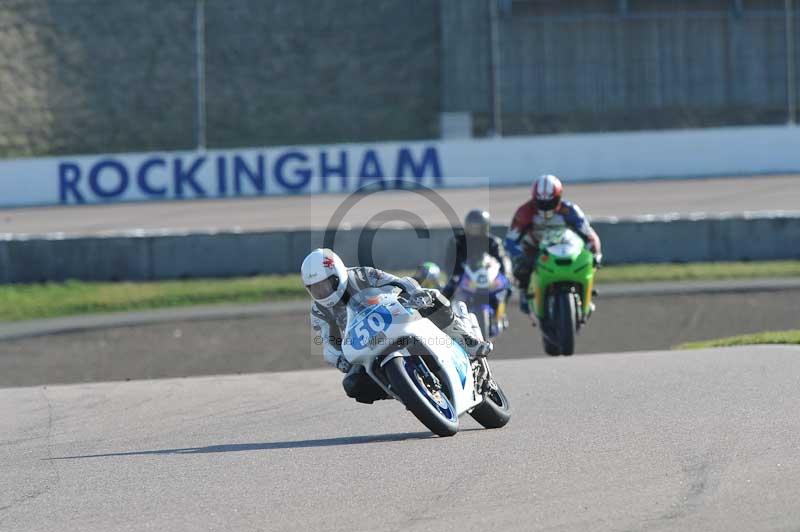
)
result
[(375, 322)]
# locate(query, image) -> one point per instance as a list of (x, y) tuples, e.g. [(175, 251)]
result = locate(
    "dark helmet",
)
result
[(477, 223)]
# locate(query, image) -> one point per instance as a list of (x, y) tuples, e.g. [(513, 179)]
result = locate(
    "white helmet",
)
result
[(325, 276)]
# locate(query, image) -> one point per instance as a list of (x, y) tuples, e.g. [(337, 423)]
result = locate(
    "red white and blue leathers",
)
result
[(528, 225)]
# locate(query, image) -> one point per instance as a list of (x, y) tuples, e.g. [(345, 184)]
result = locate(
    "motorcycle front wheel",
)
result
[(550, 348), (411, 381), (566, 322)]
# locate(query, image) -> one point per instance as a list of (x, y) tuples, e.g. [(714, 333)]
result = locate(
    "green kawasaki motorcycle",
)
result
[(560, 291)]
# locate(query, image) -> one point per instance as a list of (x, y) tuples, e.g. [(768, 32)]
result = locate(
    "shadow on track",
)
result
[(267, 446)]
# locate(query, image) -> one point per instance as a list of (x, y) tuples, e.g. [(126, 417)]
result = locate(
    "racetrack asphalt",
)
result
[(277, 337), (694, 440), (615, 199)]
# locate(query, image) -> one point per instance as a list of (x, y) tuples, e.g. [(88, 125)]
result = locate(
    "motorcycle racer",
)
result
[(330, 284), (545, 210), (429, 275), (473, 242)]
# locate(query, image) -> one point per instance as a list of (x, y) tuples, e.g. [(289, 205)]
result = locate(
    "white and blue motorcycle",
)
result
[(419, 365)]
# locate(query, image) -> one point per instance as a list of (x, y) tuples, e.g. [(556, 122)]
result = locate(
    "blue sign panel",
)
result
[(246, 173)]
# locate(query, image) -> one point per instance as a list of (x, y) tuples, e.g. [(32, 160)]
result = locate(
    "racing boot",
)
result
[(360, 386), (461, 331)]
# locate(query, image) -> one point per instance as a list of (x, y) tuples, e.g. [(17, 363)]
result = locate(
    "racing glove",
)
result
[(420, 299)]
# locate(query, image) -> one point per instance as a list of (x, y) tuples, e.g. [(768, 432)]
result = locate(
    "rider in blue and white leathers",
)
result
[(330, 283)]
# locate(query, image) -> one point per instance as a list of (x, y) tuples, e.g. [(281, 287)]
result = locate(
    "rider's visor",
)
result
[(547, 204), (324, 288), (475, 230)]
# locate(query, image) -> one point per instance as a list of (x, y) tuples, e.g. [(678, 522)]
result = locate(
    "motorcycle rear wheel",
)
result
[(494, 412)]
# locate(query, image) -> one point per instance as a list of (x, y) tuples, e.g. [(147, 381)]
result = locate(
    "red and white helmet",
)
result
[(324, 276), (546, 194)]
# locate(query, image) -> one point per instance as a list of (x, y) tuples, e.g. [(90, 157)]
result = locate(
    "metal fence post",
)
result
[(200, 56), (496, 127), (791, 85)]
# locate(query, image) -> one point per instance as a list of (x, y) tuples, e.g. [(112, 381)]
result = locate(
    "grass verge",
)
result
[(49, 300), (33, 301), (698, 271), (769, 337)]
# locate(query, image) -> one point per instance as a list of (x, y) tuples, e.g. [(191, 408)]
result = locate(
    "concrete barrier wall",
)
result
[(229, 254)]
